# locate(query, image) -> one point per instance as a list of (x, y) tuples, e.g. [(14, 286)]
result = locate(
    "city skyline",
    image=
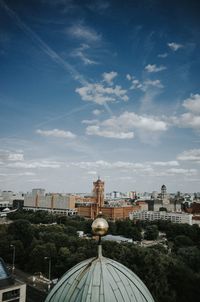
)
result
[(107, 88)]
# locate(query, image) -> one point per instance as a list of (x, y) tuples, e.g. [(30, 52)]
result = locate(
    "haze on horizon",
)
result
[(107, 88)]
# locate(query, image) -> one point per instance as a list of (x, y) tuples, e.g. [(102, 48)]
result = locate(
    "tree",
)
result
[(21, 230), (37, 256), (182, 241), (191, 257), (136, 234), (151, 232)]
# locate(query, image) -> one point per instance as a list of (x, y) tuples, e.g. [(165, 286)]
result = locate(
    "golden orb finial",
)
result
[(99, 226)]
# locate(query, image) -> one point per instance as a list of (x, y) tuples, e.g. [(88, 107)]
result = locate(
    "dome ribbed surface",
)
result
[(99, 280)]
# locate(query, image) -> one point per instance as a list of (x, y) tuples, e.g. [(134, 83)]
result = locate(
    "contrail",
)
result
[(45, 48), (65, 115), (48, 50)]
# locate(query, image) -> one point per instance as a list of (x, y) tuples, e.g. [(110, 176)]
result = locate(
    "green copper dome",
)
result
[(99, 280)]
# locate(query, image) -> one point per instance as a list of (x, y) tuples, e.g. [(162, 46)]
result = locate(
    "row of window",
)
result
[(10, 295)]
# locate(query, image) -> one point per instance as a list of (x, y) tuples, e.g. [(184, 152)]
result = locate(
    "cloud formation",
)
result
[(97, 112), (123, 126), (83, 32), (56, 133), (163, 55), (145, 85), (35, 164), (96, 130), (100, 94), (190, 155), (10, 156), (174, 46), (166, 163), (153, 68), (109, 76), (131, 120), (193, 103), (80, 53)]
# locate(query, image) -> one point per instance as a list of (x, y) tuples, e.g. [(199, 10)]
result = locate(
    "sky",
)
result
[(100, 88)]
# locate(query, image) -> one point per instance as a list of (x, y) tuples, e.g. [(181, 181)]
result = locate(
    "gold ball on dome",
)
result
[(100, 226)]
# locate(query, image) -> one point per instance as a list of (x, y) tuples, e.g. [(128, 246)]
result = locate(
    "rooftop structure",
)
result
[(10, 289), (99, 279)]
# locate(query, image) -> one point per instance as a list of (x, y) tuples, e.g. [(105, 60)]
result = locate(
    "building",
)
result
[(164, 200), (162, 215), (99, 279), (52, 202), (112, 212), (143, 205), (11, 290)]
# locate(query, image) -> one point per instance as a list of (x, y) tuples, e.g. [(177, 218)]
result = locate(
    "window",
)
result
[(11, 294)]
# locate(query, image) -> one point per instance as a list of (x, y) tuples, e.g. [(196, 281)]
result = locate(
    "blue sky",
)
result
[(107, 88)]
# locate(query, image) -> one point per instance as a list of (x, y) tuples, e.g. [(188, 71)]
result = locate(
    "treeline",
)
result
[(172, 274)]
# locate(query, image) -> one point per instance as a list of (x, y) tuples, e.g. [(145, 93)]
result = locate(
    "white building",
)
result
[(162, 215)]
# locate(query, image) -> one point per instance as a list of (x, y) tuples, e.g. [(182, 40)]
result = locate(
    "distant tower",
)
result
[(98, 190), (163, 192)]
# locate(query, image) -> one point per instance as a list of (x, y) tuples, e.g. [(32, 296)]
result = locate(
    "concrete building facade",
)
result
[(57, 203), (162, 215)]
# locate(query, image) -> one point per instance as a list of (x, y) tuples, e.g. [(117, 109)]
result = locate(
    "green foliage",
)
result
[(182, 241), (21, 230), (172, 275), (151, 232), (34, 217), (191, 257)]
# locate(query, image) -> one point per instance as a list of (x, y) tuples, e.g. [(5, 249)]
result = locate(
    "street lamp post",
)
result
[(13, 258), (49, 271)]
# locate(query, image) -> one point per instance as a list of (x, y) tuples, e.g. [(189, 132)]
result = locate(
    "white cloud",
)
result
[(130, 120), (144, 86), (153, 68), (89, 122), (185, 172), (154, 83), (190, 155), (97, 112), (56, 133), (109, 76), (123, 126), (35, 164), (193, 103), (188, 120), (112, 165), (163, 55), (96, 130), (80, 53), (144, 168), (10, 156), (165, 163), (80, 31), (15, 157), (129, 77), (100, 94), (136, 84), (174, 46)]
